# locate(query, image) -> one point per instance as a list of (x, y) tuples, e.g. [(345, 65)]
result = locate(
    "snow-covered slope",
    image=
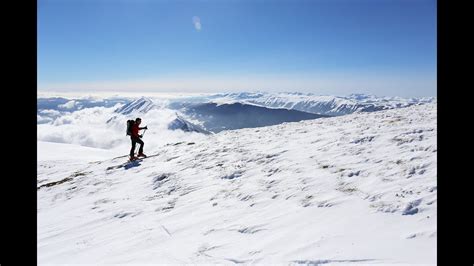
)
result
[(320, 104), (60, 152), (356, 189)]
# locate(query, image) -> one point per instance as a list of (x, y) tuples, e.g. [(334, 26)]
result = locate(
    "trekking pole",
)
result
[(144, 132)]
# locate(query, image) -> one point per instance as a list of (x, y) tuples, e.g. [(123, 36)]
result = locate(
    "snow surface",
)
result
[(358, 189), (51, 151)]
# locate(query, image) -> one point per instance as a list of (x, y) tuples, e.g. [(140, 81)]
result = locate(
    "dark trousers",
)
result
[(134, 142)]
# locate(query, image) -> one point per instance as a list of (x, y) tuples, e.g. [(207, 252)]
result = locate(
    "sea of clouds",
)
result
[(101, 127)]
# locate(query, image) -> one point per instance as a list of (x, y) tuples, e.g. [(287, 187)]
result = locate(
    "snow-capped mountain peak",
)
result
[(183, 124), (141, 105)]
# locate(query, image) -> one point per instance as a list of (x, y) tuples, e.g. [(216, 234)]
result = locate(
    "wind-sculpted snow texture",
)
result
[(356, 189)]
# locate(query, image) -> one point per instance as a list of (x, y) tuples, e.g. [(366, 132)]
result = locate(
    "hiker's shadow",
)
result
[(132, 164)]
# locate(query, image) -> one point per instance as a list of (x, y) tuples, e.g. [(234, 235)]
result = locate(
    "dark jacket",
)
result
[(135, 130)]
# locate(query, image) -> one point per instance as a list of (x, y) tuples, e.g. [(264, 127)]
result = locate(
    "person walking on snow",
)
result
[(136, 138)]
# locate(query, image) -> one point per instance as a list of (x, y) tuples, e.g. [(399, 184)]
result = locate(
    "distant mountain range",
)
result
[(227, 111), (218, 117), (320, 104)]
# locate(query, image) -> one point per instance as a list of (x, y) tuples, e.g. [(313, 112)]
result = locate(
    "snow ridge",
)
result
[(141, 105)]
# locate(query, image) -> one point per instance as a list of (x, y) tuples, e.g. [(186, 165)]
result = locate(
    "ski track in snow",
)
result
[(354, 189)]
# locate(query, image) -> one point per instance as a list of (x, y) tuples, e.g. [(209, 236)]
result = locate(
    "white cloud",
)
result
[(43, 119), (88, 127), (68, 105), (197, 23), (49, 112)]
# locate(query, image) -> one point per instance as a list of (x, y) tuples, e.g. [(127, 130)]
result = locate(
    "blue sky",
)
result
[(382, 47)]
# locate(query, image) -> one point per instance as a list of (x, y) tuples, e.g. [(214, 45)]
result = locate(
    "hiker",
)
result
[(136, 138)]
